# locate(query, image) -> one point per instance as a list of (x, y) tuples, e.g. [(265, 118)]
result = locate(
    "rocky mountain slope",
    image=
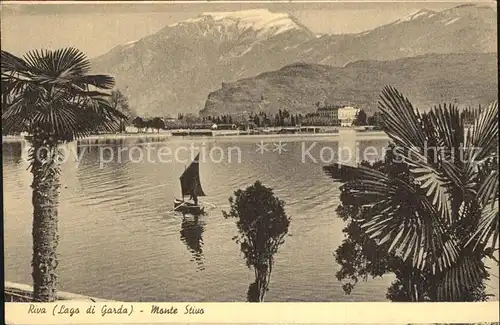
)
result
[(429, 79), (175, 69)]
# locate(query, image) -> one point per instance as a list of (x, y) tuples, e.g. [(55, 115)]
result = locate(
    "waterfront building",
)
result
[(225, 126), (328, 114), (347, 115)]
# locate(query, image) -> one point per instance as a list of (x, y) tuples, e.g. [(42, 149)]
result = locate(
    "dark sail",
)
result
[(190, 179)]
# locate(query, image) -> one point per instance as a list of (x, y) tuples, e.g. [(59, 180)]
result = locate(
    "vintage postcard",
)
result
[(250, 161)]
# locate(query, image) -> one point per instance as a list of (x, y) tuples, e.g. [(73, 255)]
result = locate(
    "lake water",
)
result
[(120, 239)]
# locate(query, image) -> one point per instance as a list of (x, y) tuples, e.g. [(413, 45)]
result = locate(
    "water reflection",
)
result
[(12, 152), (116, 218), (253, 292), (192, 229)]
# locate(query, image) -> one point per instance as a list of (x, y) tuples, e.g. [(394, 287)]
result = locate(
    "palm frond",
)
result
[(96, 114), (11, 63), (486, 233), (412, 135), (99, 81), (411, 227), (400, 119), (448, 126), (461, 279), (443, 217), (482, 166), (483, 137), (17, 115), (436, 189), (61, 119), (342, 173), (488, 191), (481, 145), (63, 63), (49, 90)]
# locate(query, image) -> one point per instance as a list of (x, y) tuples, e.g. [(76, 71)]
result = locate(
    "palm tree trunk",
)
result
[(45, 235)]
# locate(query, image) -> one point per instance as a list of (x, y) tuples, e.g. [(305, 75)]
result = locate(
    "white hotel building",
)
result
[(347, 115)]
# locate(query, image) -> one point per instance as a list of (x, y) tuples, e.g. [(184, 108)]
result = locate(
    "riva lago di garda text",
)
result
[(122, 309)]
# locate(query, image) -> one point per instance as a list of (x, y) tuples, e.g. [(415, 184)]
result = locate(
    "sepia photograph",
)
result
[(342, 151)]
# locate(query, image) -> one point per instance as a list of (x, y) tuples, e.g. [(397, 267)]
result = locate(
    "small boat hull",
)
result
[(187, 207)]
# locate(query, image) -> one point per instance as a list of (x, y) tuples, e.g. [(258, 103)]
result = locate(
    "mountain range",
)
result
[(175, 69), (465, 79)]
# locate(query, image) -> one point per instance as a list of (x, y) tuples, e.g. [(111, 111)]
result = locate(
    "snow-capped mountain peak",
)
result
[(263, 21), (182, 63), (421, 13)]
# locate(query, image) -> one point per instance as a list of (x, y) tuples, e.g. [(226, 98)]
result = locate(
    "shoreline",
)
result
[(168, 135), (19, 292)]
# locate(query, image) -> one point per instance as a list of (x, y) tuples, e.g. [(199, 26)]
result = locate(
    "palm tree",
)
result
[(51, 96), (444, 218)]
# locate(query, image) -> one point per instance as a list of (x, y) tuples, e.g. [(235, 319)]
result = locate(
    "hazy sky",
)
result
[(96, 28)]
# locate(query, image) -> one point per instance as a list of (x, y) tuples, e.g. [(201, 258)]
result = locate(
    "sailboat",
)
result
[(190, 186)]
